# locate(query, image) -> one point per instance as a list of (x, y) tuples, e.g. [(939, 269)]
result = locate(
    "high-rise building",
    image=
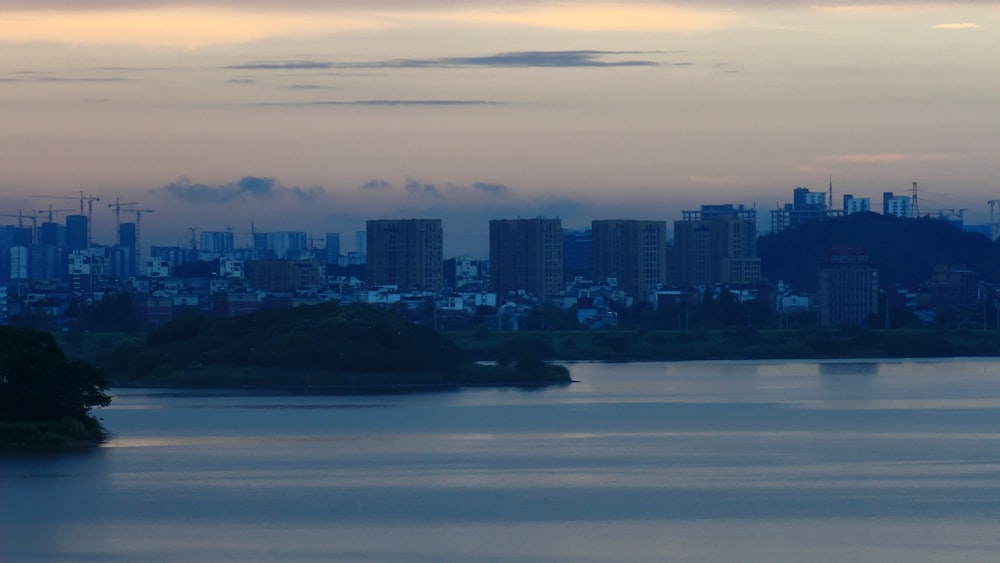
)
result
[(332, 248), (717, 244), (288, 245), (127, 235), (217, 243), (527, 254), (634, 252), (46, 262), (578, 253), (361, 242), (848, 287), (19, 260), (17, 236), (81, 279), (52, 234), (76, 232), (122, 262), (405, 252)]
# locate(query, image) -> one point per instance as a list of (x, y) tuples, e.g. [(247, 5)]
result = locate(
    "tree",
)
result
[(39, 384)]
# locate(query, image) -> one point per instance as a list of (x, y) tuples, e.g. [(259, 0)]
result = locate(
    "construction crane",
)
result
[(49, 212), (118, 217), (89, 198), (20, 222)]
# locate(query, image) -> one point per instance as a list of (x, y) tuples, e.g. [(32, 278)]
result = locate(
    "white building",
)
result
[(230, 267), (857, 204), (19, 259), (157, 268), (898, 205)]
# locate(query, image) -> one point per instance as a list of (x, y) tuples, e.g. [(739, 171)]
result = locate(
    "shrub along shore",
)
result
[(740, 344)]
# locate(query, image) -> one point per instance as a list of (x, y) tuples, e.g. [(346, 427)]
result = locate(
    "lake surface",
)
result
[(721, 461)]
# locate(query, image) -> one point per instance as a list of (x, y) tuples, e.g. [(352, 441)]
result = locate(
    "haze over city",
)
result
[(316, 115)]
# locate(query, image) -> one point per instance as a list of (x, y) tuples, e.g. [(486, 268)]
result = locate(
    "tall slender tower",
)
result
[(829, 201)]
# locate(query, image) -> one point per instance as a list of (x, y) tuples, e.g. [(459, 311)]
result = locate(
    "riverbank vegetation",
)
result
[(46, 398), (315, 345), (735, 344)]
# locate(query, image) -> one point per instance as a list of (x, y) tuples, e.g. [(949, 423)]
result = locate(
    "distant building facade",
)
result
[(578, 253), (634, 252), (806, 206), (854, 205), (281, 245), (332, 248), (848, 287), (283, 275), (217, 243), (77, 232), (898, 205), (527, 254), (717, 244), (405, 252)]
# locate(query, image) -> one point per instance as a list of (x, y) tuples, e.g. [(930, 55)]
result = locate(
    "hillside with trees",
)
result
[(325, 344), (905, 250)]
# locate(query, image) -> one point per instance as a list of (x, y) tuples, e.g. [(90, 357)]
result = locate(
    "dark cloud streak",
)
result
[(249, 188), (417, 188), (490, 188), (376, 184), (386, 103), (516, 59)]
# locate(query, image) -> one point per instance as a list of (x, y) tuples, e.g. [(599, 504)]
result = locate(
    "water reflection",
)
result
[(747, 461), (849, 368)]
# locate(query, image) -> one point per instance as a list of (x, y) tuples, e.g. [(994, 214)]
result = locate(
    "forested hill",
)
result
[(905, 250), (329, 338)]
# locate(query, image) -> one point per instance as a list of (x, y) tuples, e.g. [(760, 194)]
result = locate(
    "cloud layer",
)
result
[(248, 188)]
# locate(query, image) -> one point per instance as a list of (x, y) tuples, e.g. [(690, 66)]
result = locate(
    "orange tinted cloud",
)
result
[(186, 27), (606, 17), (886, 157), (957, 26), (195, 27)]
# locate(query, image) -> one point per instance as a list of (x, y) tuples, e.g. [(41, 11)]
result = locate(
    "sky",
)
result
[(315, 115)]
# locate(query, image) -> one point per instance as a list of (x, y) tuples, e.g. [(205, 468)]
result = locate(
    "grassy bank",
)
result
[(209, 377), (737, 344)]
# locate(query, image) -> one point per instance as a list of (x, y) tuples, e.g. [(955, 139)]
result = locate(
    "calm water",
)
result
[(770, 462)]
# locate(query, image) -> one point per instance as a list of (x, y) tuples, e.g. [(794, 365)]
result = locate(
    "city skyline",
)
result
[(317, 116)]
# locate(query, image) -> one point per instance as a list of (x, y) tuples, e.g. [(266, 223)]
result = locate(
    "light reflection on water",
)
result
[(701, 461)]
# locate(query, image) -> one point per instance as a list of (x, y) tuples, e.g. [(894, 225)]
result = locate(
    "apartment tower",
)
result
[(406, 253), (527, 254), (634, 252)]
